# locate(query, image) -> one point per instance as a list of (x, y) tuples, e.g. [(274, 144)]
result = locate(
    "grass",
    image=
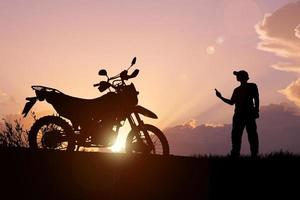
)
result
[(13, 134), (267, 156)]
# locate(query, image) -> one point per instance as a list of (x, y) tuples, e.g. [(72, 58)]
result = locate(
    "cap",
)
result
[(242, 74)]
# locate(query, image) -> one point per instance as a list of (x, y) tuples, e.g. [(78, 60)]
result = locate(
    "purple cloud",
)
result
[(278, 128)]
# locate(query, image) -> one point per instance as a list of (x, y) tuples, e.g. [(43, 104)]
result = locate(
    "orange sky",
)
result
[(184, 50)]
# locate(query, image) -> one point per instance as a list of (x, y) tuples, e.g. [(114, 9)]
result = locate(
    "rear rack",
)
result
[(44, 88)]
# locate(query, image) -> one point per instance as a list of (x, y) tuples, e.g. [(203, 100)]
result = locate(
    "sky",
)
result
[(184, 50)]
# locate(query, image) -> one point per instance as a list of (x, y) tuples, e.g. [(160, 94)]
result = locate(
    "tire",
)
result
[(59, 127), (154, 132)]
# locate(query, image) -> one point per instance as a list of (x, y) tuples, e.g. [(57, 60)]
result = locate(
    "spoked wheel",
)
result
[(51, 132), (151, 141)]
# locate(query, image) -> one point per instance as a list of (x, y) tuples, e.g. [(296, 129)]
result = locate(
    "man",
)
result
[(246, 101)]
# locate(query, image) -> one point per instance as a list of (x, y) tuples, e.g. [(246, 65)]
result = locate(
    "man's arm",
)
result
[(256, 101), (228, 101)]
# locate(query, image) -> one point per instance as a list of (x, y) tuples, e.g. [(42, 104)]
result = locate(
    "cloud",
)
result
[(297, 31), (6, 102), (279, 34), (191, 123), (287, 66), (278, 128), (292, 92), (3, 94)]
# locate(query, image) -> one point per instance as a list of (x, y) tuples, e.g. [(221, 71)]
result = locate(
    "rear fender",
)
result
[(145, 112), (29, 105)]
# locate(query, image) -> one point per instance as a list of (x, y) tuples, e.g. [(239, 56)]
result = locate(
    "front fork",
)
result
[(140, 126)]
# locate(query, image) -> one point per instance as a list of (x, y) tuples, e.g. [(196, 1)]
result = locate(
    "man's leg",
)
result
[(238, 126), (252, 136)]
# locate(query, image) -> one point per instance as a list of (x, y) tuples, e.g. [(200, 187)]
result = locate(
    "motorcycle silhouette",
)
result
[(95, 122)]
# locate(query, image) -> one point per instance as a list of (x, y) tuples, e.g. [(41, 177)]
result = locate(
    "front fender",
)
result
[(145, 112)]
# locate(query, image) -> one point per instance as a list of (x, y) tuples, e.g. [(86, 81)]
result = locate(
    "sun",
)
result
[(120, 143), (118, 147)]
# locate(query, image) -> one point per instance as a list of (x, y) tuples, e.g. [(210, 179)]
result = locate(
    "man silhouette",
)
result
[(246, 101)]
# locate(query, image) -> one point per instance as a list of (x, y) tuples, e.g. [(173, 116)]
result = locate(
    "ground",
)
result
[(79, 175)]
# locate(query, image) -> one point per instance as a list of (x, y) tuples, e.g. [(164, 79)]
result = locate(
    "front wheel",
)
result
[(147, 139)]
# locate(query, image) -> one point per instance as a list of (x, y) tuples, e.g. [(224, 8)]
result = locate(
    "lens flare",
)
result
[(210, 50), (119, 145)]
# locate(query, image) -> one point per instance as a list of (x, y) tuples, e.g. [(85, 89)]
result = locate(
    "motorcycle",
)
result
[(95, 122)]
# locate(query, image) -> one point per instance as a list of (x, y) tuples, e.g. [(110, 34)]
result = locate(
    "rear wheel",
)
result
[(51, 132), (158, 143)]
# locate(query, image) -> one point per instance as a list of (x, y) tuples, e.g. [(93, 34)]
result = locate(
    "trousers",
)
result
[(238, 125)]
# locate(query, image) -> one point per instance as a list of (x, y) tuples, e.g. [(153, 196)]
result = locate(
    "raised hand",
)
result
[(218, 94)]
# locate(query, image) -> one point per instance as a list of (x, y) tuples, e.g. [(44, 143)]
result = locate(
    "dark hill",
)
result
[(78, 175)]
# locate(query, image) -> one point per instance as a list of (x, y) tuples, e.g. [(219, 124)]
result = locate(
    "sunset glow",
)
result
[(66, 45), (184, 50), (119, 145)]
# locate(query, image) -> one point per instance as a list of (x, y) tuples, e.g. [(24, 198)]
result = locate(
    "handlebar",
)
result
[(123, 77)]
